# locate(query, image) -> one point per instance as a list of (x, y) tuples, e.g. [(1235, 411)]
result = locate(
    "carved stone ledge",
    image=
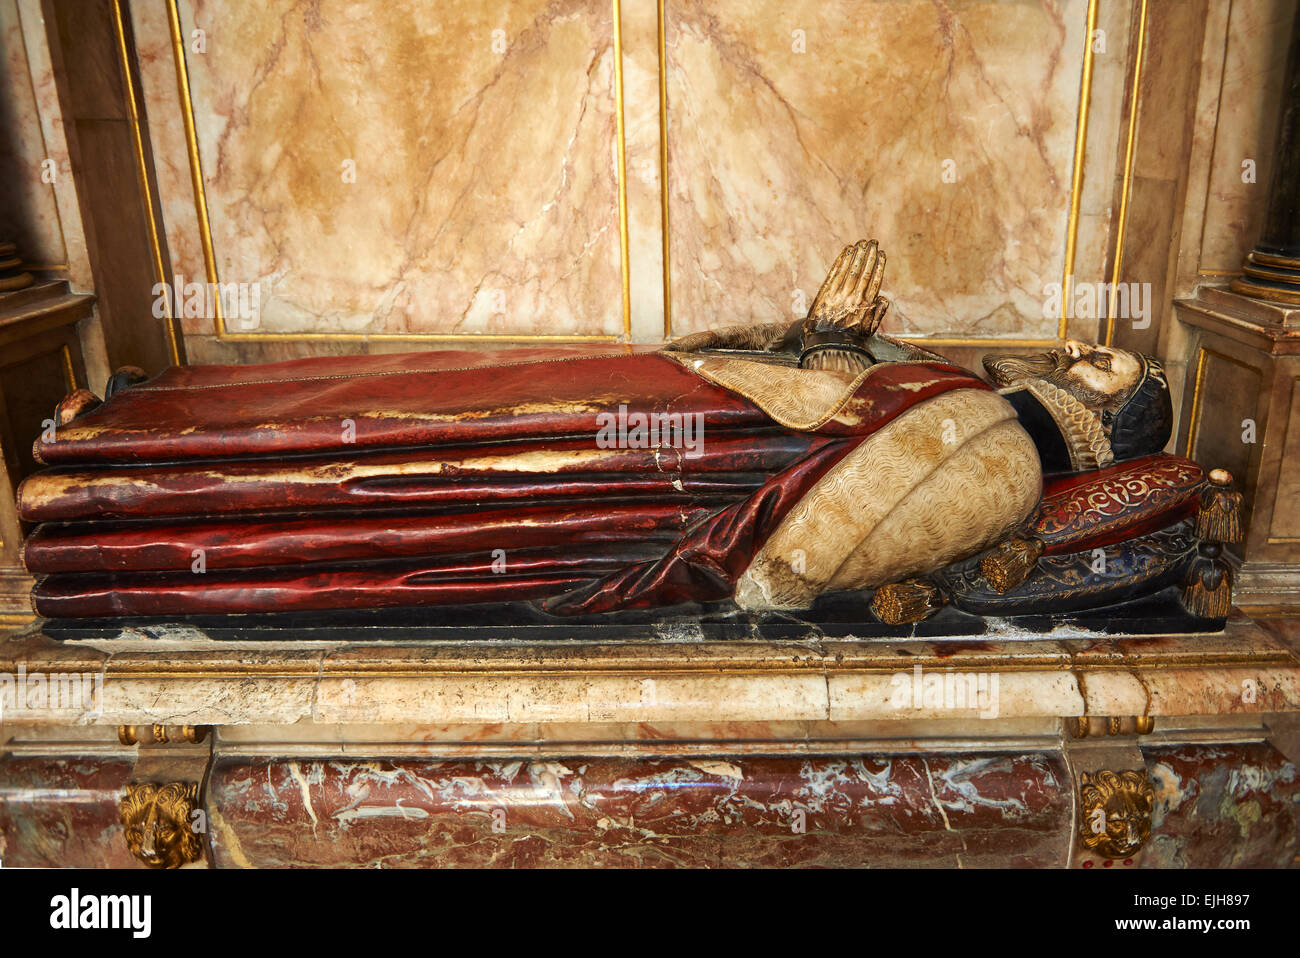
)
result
[(657, 681)]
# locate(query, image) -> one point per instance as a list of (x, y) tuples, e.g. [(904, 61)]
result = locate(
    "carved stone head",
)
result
[(158, 823), (1126, 390)]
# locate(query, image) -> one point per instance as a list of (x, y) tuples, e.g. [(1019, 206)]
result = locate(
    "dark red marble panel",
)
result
[(1222, 806), (968, 811), (62, 812)]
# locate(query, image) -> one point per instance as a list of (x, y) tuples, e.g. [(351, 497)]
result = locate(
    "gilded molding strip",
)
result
[(1194, 417), (1076, 181), (142, 168), (1253, 660), (209, 256), (69, 371), (1126, 184), (643, 748), (665, 233), (979, 342), (708, 659)]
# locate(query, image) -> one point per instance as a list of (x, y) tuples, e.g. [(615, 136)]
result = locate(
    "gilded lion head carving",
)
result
[(158, 822), (1116, 812)]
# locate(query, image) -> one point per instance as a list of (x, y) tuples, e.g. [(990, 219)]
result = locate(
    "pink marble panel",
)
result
[(402, 167), (946, 131)]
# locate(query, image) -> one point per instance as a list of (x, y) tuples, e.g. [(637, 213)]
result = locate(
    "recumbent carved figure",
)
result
[(764, 466)]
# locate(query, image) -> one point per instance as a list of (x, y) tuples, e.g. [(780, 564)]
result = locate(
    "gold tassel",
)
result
[(1010, 563), (1219, 517), (1208, 603), (1208, 592), (909, 601)]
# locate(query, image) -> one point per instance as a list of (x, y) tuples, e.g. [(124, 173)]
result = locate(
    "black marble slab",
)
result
[(844, 615)]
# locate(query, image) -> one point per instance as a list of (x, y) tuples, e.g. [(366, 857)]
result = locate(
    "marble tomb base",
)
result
[(943, 752)]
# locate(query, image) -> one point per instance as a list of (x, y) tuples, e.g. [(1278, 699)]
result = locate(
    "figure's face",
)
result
[(1098, 371), (1098, 376)]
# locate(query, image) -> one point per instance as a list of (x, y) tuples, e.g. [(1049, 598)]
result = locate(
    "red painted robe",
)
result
[(426, 478)]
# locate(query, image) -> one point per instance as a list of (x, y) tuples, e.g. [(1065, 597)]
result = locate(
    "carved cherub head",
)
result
[(157, 820), (1126, 390)]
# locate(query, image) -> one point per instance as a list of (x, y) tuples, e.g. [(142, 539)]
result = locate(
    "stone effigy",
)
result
[(764, 468)]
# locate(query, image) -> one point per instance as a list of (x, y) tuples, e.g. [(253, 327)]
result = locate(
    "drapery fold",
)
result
[(434, 478)]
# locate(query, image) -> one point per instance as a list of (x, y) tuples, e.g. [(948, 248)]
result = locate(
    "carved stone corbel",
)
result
[(1115, 800)]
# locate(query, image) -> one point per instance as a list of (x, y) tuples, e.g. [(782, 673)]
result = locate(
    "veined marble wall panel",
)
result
[(483, 140), (493, 206), (180, 221), (1245, 129), (29, 214), (777, 156)]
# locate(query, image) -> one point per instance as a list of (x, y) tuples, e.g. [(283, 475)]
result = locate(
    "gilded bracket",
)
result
[(1097, 726), (162, 734)]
